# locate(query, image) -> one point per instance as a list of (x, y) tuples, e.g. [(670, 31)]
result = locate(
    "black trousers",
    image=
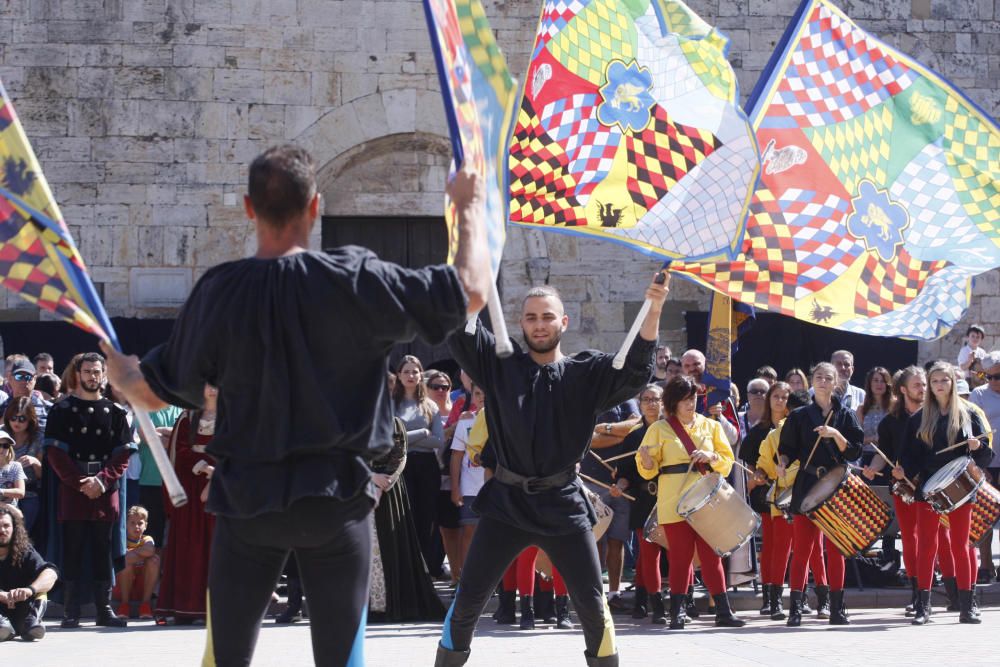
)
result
[(77, 535), (25, 615), (332, 543), (494, 545), (423, 484)]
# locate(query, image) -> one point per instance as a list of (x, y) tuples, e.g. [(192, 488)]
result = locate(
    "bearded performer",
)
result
[(541, 410)]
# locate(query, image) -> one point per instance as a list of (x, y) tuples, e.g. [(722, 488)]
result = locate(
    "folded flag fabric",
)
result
[(879, 197), (478, 93), (629, 130)]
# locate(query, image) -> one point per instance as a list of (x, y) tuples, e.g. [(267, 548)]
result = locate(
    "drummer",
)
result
[(910, 386), (944, 420), (820, 436), (669, 449), (648, 581)]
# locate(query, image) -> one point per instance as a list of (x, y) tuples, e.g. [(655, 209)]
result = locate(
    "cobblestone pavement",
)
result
[(880, 637)]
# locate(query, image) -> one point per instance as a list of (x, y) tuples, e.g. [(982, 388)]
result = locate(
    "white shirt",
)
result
[(472, 477), (965, 353)]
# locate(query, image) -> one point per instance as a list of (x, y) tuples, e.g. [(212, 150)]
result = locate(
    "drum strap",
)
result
[(818, 438), (685, 439)]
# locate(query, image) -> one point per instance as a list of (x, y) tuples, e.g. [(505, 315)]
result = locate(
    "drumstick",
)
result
[(964, 443), (818, 438), (619, 456), (603, 462), (602, 484), (886, 458)]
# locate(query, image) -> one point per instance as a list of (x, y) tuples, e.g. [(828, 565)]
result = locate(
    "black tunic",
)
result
[(637, 486), (798, 437), (920, 460), (892, 434), (750, 447), (541, 419), (297, 346)]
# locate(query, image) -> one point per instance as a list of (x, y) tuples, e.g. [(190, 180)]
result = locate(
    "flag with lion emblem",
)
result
[(629, 130), (879, 198)]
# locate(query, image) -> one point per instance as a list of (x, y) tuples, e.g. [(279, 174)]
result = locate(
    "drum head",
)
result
[(699, 494), (946, 474), (824, 487)]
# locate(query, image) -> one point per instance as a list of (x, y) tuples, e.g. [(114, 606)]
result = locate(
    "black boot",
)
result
[(293, 612), (951, 590), (822, 602), (677, 617), (71, 606), (765, 606), (922, 608), (545, 610), (838, 612), (806, 609), (102, 603), (724, 616), (562, 613), (965, 608), (527, 613), (975, 602), (656, 604), (639, 606), (606, 661), (506, 609), (690, 608), (794, 609), (915, 592), (777, 612), (448, 658)]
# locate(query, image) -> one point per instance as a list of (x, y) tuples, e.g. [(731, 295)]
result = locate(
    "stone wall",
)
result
[(145, 114)]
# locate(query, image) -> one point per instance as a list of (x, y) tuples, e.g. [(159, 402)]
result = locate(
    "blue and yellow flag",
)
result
[(478, 93), (880, 192), (38, 259), (727, 321), (629, 130)]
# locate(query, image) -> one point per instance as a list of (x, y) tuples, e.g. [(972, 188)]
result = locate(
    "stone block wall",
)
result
[(145, 114)]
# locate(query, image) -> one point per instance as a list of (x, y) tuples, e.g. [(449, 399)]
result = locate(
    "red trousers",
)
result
[(766, 544), (526, 574), (510, 577), (807, 544), (906, 516), (683, 542), (773, 567), (928, 530), (647, 569)]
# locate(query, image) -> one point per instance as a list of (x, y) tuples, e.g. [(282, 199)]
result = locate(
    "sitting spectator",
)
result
[(140, 561), (971, 355), (11, 473), (20, 422), (25, 578), (21, 379)]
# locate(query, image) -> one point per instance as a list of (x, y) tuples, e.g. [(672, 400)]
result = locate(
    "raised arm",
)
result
[(472, 257)]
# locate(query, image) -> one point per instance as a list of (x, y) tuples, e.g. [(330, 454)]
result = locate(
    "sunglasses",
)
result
[(23, 376), (757, 392), (992, 377), (18, 418), (438, 387), (5, 445)]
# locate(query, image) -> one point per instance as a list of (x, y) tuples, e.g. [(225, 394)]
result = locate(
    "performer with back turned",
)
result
[(541, 407), (296, 342), (819, 436)]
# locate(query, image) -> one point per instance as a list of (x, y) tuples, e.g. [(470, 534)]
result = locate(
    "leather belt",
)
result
[(816, 471), (674, 469), (89, 468), (534, 485)]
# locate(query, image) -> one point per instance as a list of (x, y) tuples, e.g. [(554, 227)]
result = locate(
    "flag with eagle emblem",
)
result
[(38, 259)]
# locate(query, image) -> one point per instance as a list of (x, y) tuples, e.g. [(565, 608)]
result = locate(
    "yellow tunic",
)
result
[(768, 450), (666, 449), (477, 435)]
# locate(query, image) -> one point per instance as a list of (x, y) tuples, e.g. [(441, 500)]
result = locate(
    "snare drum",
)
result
[(604, 514), (848, 512), (905, 490), (985, 513), (955, 484), (652, 531), (718, 514), (782, 501)]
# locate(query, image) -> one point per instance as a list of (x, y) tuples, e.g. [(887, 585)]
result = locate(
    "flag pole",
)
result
[(174, 489), (619, 360)]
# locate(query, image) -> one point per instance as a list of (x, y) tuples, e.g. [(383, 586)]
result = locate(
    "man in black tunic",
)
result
[(296, 341), (541, 408)]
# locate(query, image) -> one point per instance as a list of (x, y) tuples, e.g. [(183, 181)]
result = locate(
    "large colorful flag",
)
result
[(478, 93), (38, 259), (880, 192), (629, 130), (727, 321)]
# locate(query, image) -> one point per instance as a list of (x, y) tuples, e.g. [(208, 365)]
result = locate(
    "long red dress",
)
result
[(189, 535)]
